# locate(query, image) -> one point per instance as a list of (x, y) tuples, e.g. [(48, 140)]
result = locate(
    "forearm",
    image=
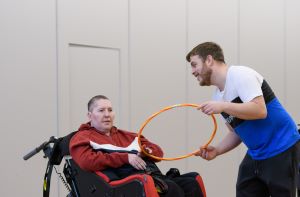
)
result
[(245, 111), (91, 160), (230, 141)]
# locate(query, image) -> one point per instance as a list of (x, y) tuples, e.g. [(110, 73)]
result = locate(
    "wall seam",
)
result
[(120, 88), (57, 82), (238, 32), (129, 70), (285, 52), (186, 82), (239, 155)]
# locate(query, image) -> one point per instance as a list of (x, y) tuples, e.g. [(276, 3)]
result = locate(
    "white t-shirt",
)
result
[(263, 137), (240, 76)]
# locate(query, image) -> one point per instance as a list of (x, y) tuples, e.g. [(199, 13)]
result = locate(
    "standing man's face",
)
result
[(201, 70), (102, 115)]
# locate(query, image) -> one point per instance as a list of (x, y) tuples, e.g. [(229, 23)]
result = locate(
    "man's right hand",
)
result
[(137, 162), (208, 153)]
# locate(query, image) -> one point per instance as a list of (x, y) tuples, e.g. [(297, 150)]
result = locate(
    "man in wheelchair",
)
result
[(98, 146)]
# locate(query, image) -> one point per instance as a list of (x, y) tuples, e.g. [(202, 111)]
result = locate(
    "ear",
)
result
[(89, 115), (209, 60)]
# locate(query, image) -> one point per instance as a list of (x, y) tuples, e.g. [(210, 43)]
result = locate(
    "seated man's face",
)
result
[(102, 115)]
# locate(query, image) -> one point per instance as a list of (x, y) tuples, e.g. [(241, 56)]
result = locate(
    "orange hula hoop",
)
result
[(183, 156)]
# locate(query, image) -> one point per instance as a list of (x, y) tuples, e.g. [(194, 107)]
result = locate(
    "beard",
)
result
[(206, 76)]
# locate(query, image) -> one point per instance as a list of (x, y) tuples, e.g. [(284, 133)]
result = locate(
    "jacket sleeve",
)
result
[(89, 159), (156, 150)]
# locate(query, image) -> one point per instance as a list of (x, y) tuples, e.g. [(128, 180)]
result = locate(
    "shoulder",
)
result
[(82, 135), (243, 74), (245, 82), (241, 71)]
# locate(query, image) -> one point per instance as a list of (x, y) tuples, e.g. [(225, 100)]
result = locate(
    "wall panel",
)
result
[(90, 25), (93, 59), (292, 62), (157, 49), (93, 70), (262, 44), (218, 22), (28, 92)]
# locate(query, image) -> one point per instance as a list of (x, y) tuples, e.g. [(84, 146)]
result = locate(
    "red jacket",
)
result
[(87, 139)]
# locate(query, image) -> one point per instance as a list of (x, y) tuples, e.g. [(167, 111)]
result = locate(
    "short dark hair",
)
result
[(205, 49), (93, 100)]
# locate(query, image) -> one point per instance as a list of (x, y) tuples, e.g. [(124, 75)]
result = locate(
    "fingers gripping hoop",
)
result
[(183, 156)]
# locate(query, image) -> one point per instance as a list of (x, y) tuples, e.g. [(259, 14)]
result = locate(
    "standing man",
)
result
[(254, 116)]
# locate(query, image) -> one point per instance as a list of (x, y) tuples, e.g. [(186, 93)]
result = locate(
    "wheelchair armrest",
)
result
[(145, 180), (201, 184), (103, 176)]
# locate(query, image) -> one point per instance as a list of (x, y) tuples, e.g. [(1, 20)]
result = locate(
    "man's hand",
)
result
[(137, 162), (212, 107), (208, 153)]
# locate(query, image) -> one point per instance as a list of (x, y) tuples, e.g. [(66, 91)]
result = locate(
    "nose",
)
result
[(193, 71), (106, 113)]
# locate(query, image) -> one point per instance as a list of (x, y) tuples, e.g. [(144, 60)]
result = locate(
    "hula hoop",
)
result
[(183, 156)]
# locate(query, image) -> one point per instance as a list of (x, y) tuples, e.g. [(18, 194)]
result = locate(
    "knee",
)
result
[(174, 189)]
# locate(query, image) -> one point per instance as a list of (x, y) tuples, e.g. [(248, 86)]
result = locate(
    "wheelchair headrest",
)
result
[(61, 149)]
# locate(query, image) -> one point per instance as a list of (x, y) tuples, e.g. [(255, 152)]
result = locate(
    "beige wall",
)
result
[(55, 55)]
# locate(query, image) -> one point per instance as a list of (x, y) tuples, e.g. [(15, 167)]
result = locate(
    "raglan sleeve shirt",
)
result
[(247, 83), (85, 155)]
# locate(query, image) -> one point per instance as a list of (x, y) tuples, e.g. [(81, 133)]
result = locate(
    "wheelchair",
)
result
[(80, 183)]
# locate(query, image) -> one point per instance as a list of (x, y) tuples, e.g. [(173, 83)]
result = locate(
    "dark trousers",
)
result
[(183, 186), (276, 176)]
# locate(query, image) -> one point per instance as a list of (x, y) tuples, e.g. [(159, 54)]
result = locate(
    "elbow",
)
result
[(89, 167), (263, 114), (259, 108), (85, 163), (258, 114), (81, 164)]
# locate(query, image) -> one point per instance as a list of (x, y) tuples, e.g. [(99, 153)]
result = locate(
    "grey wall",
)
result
[(55, 55)]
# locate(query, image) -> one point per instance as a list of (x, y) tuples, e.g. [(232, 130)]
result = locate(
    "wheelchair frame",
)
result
[(80, 183)]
